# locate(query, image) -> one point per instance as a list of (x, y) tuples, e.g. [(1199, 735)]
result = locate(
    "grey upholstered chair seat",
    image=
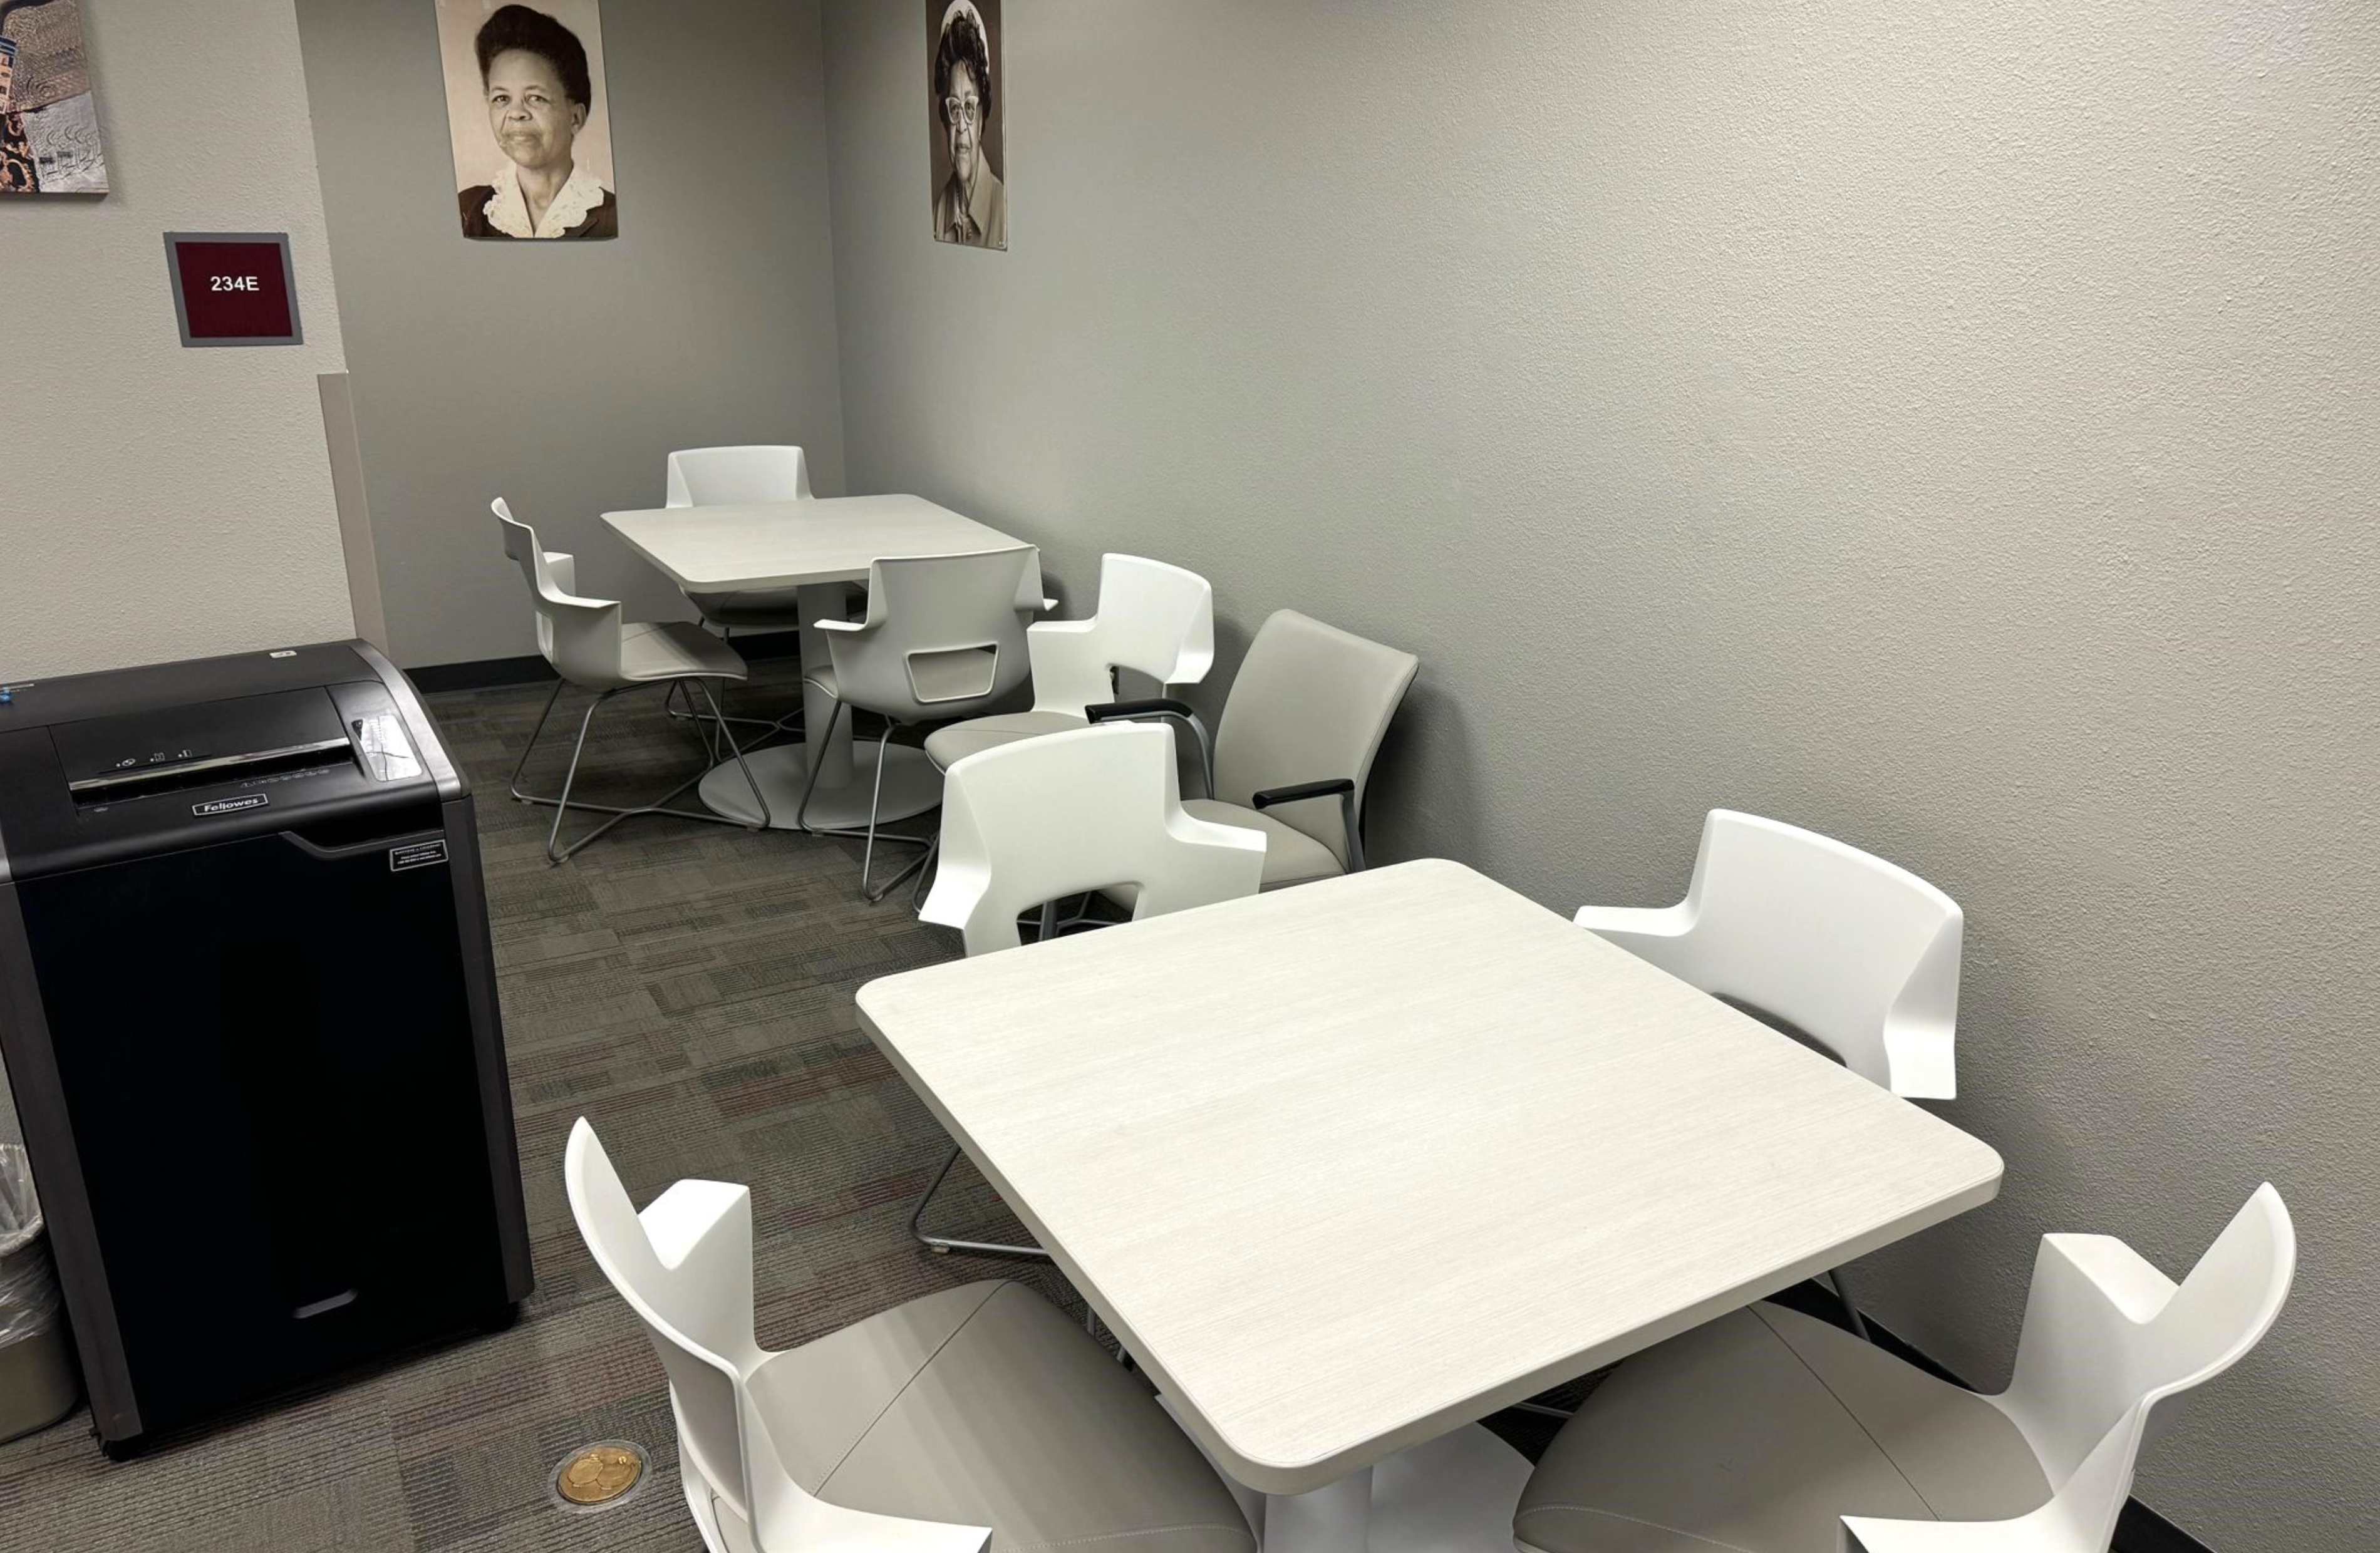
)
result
[(947, 746), (674, 649), (1290, 855), (757, 610), (983, 1405), (1757, 1433)]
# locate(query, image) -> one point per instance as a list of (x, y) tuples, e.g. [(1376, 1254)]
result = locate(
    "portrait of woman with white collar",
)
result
[(533, 142)]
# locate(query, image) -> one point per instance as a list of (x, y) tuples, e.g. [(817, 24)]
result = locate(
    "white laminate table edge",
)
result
[(1297, 1477)]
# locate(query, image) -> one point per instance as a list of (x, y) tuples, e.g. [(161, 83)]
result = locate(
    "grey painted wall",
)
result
[(157, 501), (1949, 426), (561, 374)]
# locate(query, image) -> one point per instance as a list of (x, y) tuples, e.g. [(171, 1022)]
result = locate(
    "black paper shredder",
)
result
[(248, 1014)]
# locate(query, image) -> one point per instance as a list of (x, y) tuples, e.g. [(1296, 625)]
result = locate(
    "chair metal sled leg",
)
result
[(563, 804), (944, 1245), (925, 844)]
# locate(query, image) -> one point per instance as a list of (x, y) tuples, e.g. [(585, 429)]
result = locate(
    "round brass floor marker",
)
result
[(599, 1475)]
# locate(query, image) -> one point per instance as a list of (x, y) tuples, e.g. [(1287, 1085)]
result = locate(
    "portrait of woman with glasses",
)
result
[(970, 205)]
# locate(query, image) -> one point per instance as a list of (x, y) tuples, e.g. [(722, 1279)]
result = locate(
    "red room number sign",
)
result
[(234, 288)]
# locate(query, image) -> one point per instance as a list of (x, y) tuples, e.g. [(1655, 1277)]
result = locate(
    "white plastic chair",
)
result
[(709, 477), (943, 638), (586, 642), (1815, 1426), (1853, 952), (1304, 718), (980, 1402), (1859, 953), (1064, 814), (1154, 619)]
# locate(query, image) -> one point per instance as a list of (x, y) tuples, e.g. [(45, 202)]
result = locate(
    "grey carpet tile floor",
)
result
[(688, 988)]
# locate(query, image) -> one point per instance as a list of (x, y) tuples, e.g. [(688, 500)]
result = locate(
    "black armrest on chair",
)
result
[(1344, 789), (1156, 705), (1292, 793)]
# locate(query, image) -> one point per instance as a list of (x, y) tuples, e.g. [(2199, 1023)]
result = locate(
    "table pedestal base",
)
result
[(1454, 1493), (911, 786)]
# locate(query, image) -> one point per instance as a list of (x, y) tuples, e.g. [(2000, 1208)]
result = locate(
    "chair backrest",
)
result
[(1855, 952), (579, 637), (709, 477), (1153, 619), (1029, 823), (1311, 704), (685, 1267), (2108, 1339), (943, 634)]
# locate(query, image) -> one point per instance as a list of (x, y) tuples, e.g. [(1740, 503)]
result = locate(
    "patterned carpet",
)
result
[(688, 988)]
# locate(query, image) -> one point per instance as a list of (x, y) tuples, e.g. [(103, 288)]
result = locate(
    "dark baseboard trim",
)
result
[(2138, 1530), (483, 673)]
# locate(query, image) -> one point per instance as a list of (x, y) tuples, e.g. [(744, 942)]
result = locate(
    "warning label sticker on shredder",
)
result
[(416, 855)]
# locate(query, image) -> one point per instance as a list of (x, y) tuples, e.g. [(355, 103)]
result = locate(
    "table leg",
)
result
[(1334, 1519)]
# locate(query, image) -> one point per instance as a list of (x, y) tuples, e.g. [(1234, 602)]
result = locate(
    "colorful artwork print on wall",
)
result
[(529, 118), (49, 122), (966, 103)]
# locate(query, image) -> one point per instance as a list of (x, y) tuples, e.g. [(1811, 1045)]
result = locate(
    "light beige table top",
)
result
[(1352, 1164), (757, 545)]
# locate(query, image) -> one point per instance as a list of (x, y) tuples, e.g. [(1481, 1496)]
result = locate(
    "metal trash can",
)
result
[(37, 1370)]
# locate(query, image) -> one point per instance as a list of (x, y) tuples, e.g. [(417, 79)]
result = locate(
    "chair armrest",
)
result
[(1155, 705), (1048, 604), (851, 628), (1333, 787), (1342, 788)]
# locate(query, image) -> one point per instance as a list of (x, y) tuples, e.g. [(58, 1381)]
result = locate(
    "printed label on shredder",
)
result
[(418, 854), (232, 805)]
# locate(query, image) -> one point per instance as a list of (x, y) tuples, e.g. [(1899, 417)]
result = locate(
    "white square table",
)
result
[(811, 545), (1349, 1166)]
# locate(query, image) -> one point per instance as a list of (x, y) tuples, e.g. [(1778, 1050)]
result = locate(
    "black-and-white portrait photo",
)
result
[(526, 107), (963, 101)]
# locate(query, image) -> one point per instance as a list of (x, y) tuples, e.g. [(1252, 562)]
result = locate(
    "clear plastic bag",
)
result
[(29, 1289)]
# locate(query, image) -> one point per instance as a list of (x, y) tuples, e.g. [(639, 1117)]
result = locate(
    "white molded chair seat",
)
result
[(984, 1405), (975, 1418), (673, 649), (1767, 1431), (1758, 1431), (947, 746)]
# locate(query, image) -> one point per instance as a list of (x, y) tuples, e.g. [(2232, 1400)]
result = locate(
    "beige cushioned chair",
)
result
[(1304, 718)]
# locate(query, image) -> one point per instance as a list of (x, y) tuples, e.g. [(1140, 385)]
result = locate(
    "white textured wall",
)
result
[(1950, 426), (158, 502)]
